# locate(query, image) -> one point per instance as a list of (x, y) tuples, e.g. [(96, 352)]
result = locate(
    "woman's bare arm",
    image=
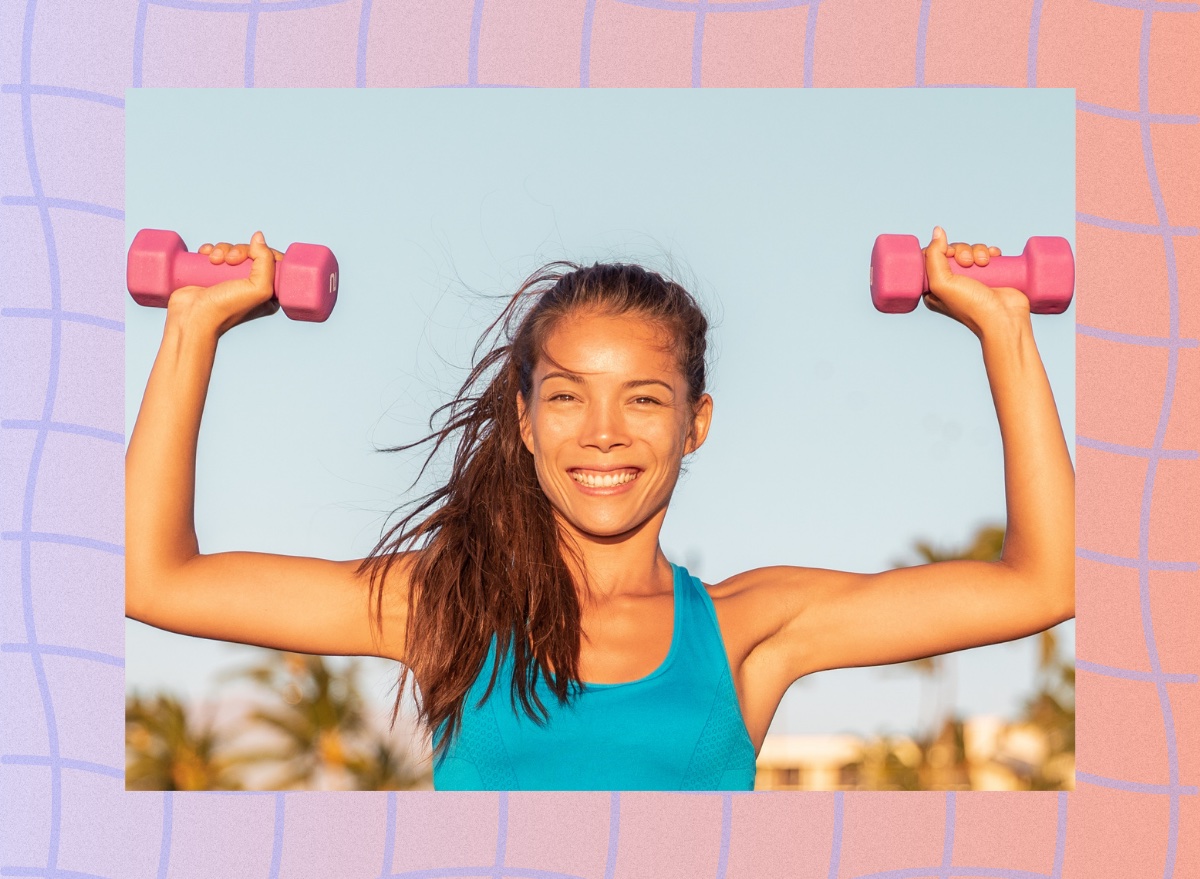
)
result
[(815, 619), (305, 605)]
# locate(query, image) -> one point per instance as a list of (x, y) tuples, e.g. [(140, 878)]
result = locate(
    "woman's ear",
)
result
[(701, 420), (523, 421)]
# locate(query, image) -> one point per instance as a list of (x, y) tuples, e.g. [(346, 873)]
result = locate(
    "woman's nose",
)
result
[(604, 428)]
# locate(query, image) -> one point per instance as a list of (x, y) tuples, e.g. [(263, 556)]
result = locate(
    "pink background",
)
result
[(64, 68)]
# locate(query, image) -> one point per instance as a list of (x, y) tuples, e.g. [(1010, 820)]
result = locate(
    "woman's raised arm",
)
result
[(811, 620), (304, 605)]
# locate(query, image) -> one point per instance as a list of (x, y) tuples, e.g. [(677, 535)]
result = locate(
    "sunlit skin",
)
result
[(609, 401), (608, 397), (609, 404)]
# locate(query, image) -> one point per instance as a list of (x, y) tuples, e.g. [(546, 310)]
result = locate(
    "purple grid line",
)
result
[(68, 204), (726, 832), (58, 91), (389, 836), (923, 872), (948, 837), (110, 436), (703, 5), (139, 42), (1131, 339), (505, 873), (585, 45), (1149, 5), (1137, 787), (1164, 698), (481, 85), (251, 40), (1035, 28), (810, 41), (232, 793), (473, 46), (698, 42), (277, 839), (1136, 228), (1130, 674), (39, 670), (251, 6), (963, 85), (1136, 451), (364, 29), (63, 650), (1123, 562), (69, 316), (77, 765), (1060, 836), (1137, 115), (922, 29), (28, 537), (457, 872), (501, 834), (48, 874), (835, 849), (164, 847), (614, 828)]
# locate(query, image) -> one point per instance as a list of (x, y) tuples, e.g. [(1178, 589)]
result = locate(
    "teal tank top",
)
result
[(678, 728)]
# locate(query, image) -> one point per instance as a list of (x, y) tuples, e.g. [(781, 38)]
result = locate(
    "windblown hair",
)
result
[(493, 561)]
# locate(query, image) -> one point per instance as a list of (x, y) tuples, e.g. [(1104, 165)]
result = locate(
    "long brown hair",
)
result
[(492, 560)]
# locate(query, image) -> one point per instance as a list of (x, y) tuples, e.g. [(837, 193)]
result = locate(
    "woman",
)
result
[(553, 643)]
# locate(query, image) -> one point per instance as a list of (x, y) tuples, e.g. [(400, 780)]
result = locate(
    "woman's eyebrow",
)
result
[(641, 382), (569, 376), (579, 380)]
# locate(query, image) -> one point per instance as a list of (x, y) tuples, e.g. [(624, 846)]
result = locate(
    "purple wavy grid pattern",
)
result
[(64, 811)]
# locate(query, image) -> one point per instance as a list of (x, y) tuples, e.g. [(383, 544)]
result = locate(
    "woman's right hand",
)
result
[(229, 303)]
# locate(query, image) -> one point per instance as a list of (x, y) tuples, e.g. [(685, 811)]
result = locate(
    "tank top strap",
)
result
[(700, 633)]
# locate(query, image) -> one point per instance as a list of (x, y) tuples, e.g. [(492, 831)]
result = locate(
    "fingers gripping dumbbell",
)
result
[(306, 279), (1044, 272)]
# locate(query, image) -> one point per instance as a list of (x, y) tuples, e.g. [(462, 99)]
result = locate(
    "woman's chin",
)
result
[(604, 528)]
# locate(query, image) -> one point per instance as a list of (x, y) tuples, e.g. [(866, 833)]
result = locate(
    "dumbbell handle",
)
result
[(1000, 271), (194, 269)]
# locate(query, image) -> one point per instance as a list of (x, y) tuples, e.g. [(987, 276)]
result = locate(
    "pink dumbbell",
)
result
[(1044, 272), (306, 279)]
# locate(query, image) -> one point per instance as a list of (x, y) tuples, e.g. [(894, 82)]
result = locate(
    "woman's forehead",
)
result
[(595, 344)]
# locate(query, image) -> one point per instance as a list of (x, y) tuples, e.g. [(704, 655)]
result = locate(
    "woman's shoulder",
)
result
[(765, 584), (754, 605)]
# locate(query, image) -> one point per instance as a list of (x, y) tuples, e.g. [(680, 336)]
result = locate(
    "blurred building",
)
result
[(979, 753)]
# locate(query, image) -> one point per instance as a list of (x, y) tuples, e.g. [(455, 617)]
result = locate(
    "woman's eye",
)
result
[(646, 400), (560, 397)]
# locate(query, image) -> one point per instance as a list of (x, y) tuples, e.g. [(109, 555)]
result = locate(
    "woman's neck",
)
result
[(633, 563)]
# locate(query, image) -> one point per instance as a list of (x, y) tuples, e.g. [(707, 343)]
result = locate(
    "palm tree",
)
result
[(935, 671), (1052, 710), (324, 739), (166, 749)]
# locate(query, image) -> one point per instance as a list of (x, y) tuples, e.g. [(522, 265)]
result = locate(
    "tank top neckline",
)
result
[(678, 575)]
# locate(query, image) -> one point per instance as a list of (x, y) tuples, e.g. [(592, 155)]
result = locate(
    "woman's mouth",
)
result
[(604, 481)]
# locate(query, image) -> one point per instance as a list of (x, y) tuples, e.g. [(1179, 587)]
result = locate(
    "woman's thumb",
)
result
[(262, 270), (937, 268)]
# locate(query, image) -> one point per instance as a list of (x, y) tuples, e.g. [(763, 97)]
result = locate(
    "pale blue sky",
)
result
[(841, 435)]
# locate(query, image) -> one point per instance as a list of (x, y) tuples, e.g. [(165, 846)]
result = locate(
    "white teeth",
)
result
[(592, 479)]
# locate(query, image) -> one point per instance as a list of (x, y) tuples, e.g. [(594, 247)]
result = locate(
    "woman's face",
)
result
[(608, 421)]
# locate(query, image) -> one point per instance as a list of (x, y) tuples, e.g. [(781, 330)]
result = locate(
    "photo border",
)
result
[(66, 812)]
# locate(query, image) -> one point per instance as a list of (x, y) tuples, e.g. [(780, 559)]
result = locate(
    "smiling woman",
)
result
[(554, 644)]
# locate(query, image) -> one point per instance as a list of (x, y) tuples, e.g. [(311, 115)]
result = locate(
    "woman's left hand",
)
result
[(967, 300)]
